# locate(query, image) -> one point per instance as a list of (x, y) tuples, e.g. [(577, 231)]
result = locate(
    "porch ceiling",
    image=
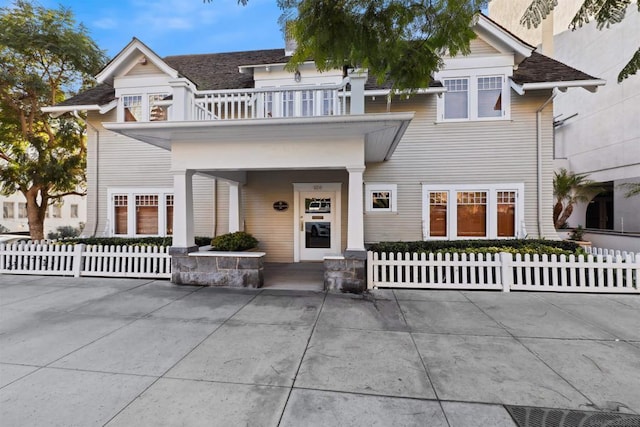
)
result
[(380, 132)]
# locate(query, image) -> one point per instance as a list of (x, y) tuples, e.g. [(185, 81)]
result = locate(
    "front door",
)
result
[(318, 235)]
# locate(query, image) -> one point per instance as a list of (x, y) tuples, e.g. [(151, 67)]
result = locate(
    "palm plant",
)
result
[(570, 188)]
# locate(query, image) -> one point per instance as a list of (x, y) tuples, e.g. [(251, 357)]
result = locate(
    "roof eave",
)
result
[(58, 110), (521, 49), (590, 85)]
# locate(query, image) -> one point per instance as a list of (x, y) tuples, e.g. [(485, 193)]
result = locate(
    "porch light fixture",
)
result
[(297, 77)]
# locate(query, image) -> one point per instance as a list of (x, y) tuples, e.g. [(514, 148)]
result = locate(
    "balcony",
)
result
[(300, 101)]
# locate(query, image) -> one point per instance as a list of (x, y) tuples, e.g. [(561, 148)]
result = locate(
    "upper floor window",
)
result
[(474, 97), (144, 107), (132, 105), (456, 99), (22, 210), (8, 210), (307, 103)]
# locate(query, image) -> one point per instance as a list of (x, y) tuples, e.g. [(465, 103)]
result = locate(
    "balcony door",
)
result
[(317, 221)]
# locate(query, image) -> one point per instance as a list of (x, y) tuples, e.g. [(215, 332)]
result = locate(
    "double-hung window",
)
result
[(456, 99), (477, 96), (472, 211), (140, 212)]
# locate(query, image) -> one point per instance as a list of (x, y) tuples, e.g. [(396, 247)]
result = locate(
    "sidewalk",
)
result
[(124, 352)]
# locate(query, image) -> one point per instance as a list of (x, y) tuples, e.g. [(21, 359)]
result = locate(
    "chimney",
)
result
[(547, 35)]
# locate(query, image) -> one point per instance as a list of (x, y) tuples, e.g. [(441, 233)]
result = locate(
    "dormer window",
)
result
[(144, 108), (132, 105)]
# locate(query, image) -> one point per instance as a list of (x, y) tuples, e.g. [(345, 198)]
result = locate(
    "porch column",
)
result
[(234, 207), (355, 226), (183, 239)]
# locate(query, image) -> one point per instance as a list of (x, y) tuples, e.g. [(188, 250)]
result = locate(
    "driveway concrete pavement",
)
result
[(127, 352)]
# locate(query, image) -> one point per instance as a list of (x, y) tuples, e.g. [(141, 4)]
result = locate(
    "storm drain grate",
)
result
[(527, 416)]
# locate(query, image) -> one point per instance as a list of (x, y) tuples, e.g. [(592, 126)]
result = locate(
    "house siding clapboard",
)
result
[(471, 152), (126, 162)]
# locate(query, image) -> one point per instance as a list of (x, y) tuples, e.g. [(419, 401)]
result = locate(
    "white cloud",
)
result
[(105, 23)]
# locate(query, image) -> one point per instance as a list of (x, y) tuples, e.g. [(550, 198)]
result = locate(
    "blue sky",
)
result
[(174, 27)]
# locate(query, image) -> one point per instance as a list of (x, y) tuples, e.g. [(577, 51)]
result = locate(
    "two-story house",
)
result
[(316, 164)]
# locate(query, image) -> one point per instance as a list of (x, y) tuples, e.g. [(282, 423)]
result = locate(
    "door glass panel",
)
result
[(317, 235), (315, 205)]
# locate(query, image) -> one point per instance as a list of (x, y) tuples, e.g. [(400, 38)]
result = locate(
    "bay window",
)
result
[(472, 211)]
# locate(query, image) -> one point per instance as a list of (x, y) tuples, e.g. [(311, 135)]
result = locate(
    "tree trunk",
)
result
[(565, 215), (557, 210), (35, 213)]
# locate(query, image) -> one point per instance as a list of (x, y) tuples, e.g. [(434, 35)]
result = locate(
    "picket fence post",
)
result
[(506, 271), (77, 259)]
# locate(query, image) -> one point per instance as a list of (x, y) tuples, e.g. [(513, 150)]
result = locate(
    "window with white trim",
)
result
[(472, 211), (157, 110), (132, 105), (73, 211), (307, 103), (480, 96), (22, 210), (456, 99), (381, 197), (140, 212), (288, 103), (8, 210)]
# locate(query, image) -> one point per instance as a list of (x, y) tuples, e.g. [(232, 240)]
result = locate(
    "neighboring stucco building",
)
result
[(595, 134), (71, 211), (316, 164)]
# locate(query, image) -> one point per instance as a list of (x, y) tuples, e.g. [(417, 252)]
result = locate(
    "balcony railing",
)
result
[(299, 101)]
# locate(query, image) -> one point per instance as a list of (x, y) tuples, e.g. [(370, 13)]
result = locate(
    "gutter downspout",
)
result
[(97, 189), (539, 158)]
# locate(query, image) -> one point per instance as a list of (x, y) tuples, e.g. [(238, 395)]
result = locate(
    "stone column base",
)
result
[(345, 274), (231, 269)]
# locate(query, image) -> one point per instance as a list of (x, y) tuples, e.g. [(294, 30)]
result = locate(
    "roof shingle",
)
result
[(539, 69)]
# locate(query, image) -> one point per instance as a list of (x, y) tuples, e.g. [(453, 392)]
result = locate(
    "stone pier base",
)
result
[(345, 274), (205, 268)]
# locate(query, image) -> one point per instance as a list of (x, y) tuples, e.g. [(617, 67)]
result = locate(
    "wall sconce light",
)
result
[(297, 77)]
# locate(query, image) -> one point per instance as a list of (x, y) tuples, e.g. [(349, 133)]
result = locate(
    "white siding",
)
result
[(480, 47), (500, 151), (125, 162)]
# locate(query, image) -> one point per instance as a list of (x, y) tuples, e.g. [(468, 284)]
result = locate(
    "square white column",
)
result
[(234, 207), (183, 209), (355, 224)]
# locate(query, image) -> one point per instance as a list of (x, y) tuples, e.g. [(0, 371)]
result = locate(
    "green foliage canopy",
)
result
[(604, 12), (401, 41), (44, 57)]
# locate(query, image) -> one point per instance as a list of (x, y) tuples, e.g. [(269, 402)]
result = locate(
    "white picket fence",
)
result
[(505, 272), (85, 260)]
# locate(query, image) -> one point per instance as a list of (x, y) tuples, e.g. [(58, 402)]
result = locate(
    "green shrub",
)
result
[(64, 232), (232, 242), (133, 241), (521, 246)]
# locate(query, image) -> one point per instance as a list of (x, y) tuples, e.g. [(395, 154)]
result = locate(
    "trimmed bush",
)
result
[(234, 242), (515, 246), (132, 241)]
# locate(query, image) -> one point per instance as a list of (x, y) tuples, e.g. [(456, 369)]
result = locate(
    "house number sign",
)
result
[(280, 205)]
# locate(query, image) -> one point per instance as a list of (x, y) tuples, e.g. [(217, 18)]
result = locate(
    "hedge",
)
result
[(131, 241), (523, 246)]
